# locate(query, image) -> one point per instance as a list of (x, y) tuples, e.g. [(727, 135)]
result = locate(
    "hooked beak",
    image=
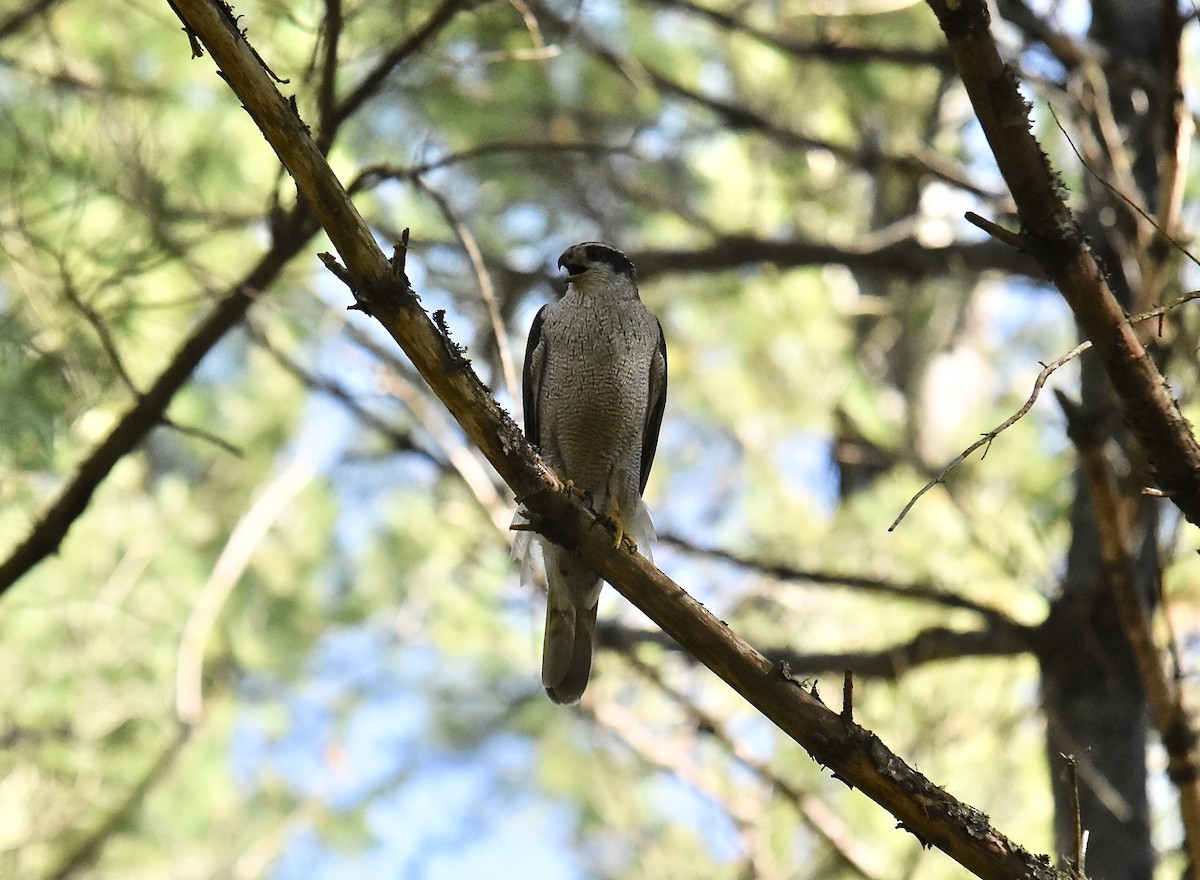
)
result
[(572, 268)]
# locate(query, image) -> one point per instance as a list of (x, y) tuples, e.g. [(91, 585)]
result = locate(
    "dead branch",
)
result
[(1038, 384)]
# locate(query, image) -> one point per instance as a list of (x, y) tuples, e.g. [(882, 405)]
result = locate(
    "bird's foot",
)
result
[(621, 538)]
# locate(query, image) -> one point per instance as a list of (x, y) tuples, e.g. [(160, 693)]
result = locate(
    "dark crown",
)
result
[(596, 252)]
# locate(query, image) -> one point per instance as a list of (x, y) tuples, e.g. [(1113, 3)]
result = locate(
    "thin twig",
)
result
[(201, 434), (995, 230), (911, 591), (1076, 812), (483, 278), (1038, 384), (1134, 206), (97, 324)]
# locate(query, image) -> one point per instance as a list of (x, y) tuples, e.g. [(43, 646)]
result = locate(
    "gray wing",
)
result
[(658, 402), (531, 379)]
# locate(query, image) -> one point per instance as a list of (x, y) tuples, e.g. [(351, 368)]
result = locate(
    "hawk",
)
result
[(595, 384)]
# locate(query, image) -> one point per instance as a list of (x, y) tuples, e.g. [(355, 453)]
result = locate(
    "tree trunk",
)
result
[(1093, 698)]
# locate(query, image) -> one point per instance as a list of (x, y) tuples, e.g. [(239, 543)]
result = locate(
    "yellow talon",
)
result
[(620, 536)]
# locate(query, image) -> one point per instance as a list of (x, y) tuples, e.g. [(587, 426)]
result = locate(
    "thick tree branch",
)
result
[(1056, 241), (854, 754), (905, 257)]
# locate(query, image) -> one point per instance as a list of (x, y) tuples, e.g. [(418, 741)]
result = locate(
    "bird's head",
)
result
[(592, 263)]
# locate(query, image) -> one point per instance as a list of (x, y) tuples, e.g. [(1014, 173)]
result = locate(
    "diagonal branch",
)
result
[(85, 853), (855, 755), (985, 440), (682, 760), (368, 87), (736, 115), (1056, 241)]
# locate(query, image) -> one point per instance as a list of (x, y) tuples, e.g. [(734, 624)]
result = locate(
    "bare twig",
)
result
[(202, 434), (996, 231), (1119, 193), (1076, 814), (1038, 384), (483, 278)]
